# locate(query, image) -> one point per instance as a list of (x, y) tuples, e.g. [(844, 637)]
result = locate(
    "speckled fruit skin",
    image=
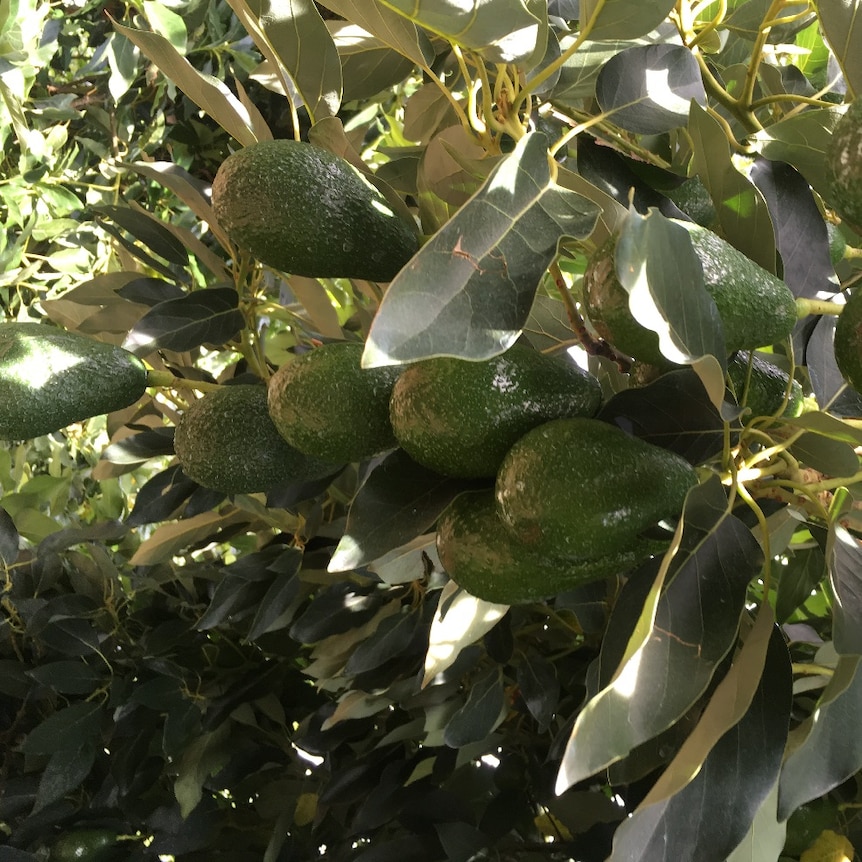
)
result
[(755, 307), (483, 557), (581, 488), (844, 165), (460, 418), (226, 441), (304, 210), (848, 341), (767, 385), (50, 378), (326, 405)]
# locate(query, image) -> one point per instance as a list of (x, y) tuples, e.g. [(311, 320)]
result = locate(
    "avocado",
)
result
[(485, 559), (50, 378), (581, 489), (459, 417), (226, 441), (327, 406), (304, 210), (756, 307), (844, 165), (85, 845), (763, 388), (848, 341)]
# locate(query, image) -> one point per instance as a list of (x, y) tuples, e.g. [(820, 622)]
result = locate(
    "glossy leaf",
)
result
[(67, 728), (681, 637), (203, 316), (844, 556), (539, 687), (503, 31), (805, 569), (9, 539), (741, 209), (64, 772), (207, 92), (841, 21), (622, 19), (482, 712), (648, 88), (398, 501), (143, 227), (468, 290), (293, 37)]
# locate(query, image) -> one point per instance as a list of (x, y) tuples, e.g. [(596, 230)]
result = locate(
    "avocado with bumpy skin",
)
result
[(762, 386), (580, 489), (304, 210), (844, 165), (227, 442), (50, 378), (485, 559), (848, 341), (756, 308), (326, 405), (459, 417)]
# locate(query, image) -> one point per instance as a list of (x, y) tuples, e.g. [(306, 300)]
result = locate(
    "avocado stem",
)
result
[(166, 380), (804, 307)]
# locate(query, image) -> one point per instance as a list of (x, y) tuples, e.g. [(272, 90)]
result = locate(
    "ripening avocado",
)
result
[(484, 558), (581, 489), (324, 404), (762, 386), (304, 210), (86, 845), (848, 341), (459, 417), (50, 378), (226, 441), (756, 307), (844, 165)]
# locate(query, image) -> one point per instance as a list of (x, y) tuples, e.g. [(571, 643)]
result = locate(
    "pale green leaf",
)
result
[(166, 23), (841, 22), (622, 19)]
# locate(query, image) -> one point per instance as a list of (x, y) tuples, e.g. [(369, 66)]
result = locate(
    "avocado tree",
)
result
[(545, 545)]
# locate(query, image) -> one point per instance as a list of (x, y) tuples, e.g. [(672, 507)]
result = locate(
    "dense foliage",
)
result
[(292, 675)]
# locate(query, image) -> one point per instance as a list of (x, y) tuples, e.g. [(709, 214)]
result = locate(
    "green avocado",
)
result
[(580, 489), (85, 845), (327, 406), (226, 441), (460, 417), (844, 165), (485, 559), (304, 210), (756, 307), (848, 341), (50, 378), (763, 388)]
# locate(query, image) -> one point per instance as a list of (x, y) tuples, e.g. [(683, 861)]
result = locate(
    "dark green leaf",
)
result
[(144, 228), (238, 593), (8, 539), (339, 608), (282, 598), (398, 501), (137, 448), (210, 316), (842, 26), (826, 455), (68, 728), (844, 556), (804, 570), (649, 88), (622, 19), (369, 66), (391, 639), (482, 712), (539, 686), (71, 636), (64, 772), (461, 841), (160, 496), (674, 652), (468, 291), (150, 291), (67, 677)]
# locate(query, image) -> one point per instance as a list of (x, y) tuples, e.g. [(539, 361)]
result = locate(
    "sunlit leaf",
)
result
[(844, 557), (841, 21), (622, 19), (468, 290)]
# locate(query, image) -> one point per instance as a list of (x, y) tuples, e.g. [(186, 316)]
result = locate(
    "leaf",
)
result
[(826, 749), (502, 31), (66, 729), (842, 26), (282, 598), (649, 88), (482, 712), (539, 687), (826, 455), (468, 291), (150, 291), (392, 639), (203, 757), (461, 619), (339, 608), (315, 300), (805, 569), (293, 37), (673, 412), (766, 836), (64, 772), (207, 92), (844, 556), (741, 209), (160, 496), (711, 814), (147, 230), (622, 19), (209, 316), (674, 650), (398, 501), (67, 677), (9, 539)]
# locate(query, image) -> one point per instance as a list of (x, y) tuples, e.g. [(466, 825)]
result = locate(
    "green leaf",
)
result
[(282, 598), (9, 539), (468, 291), (622, 19), (502, 31), (841, 21), (766, 836), (204, 316), (67, 677), (824, 454), (804, 570), (844, 556), (398, 501), (167, 23), (292, 36), (66, 729), (64, 772), (207, 92), (649, 88), (392, 639), (741, 209), (147, 229), (483, 711), (539, 687), (203, 757), (678, 642)]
